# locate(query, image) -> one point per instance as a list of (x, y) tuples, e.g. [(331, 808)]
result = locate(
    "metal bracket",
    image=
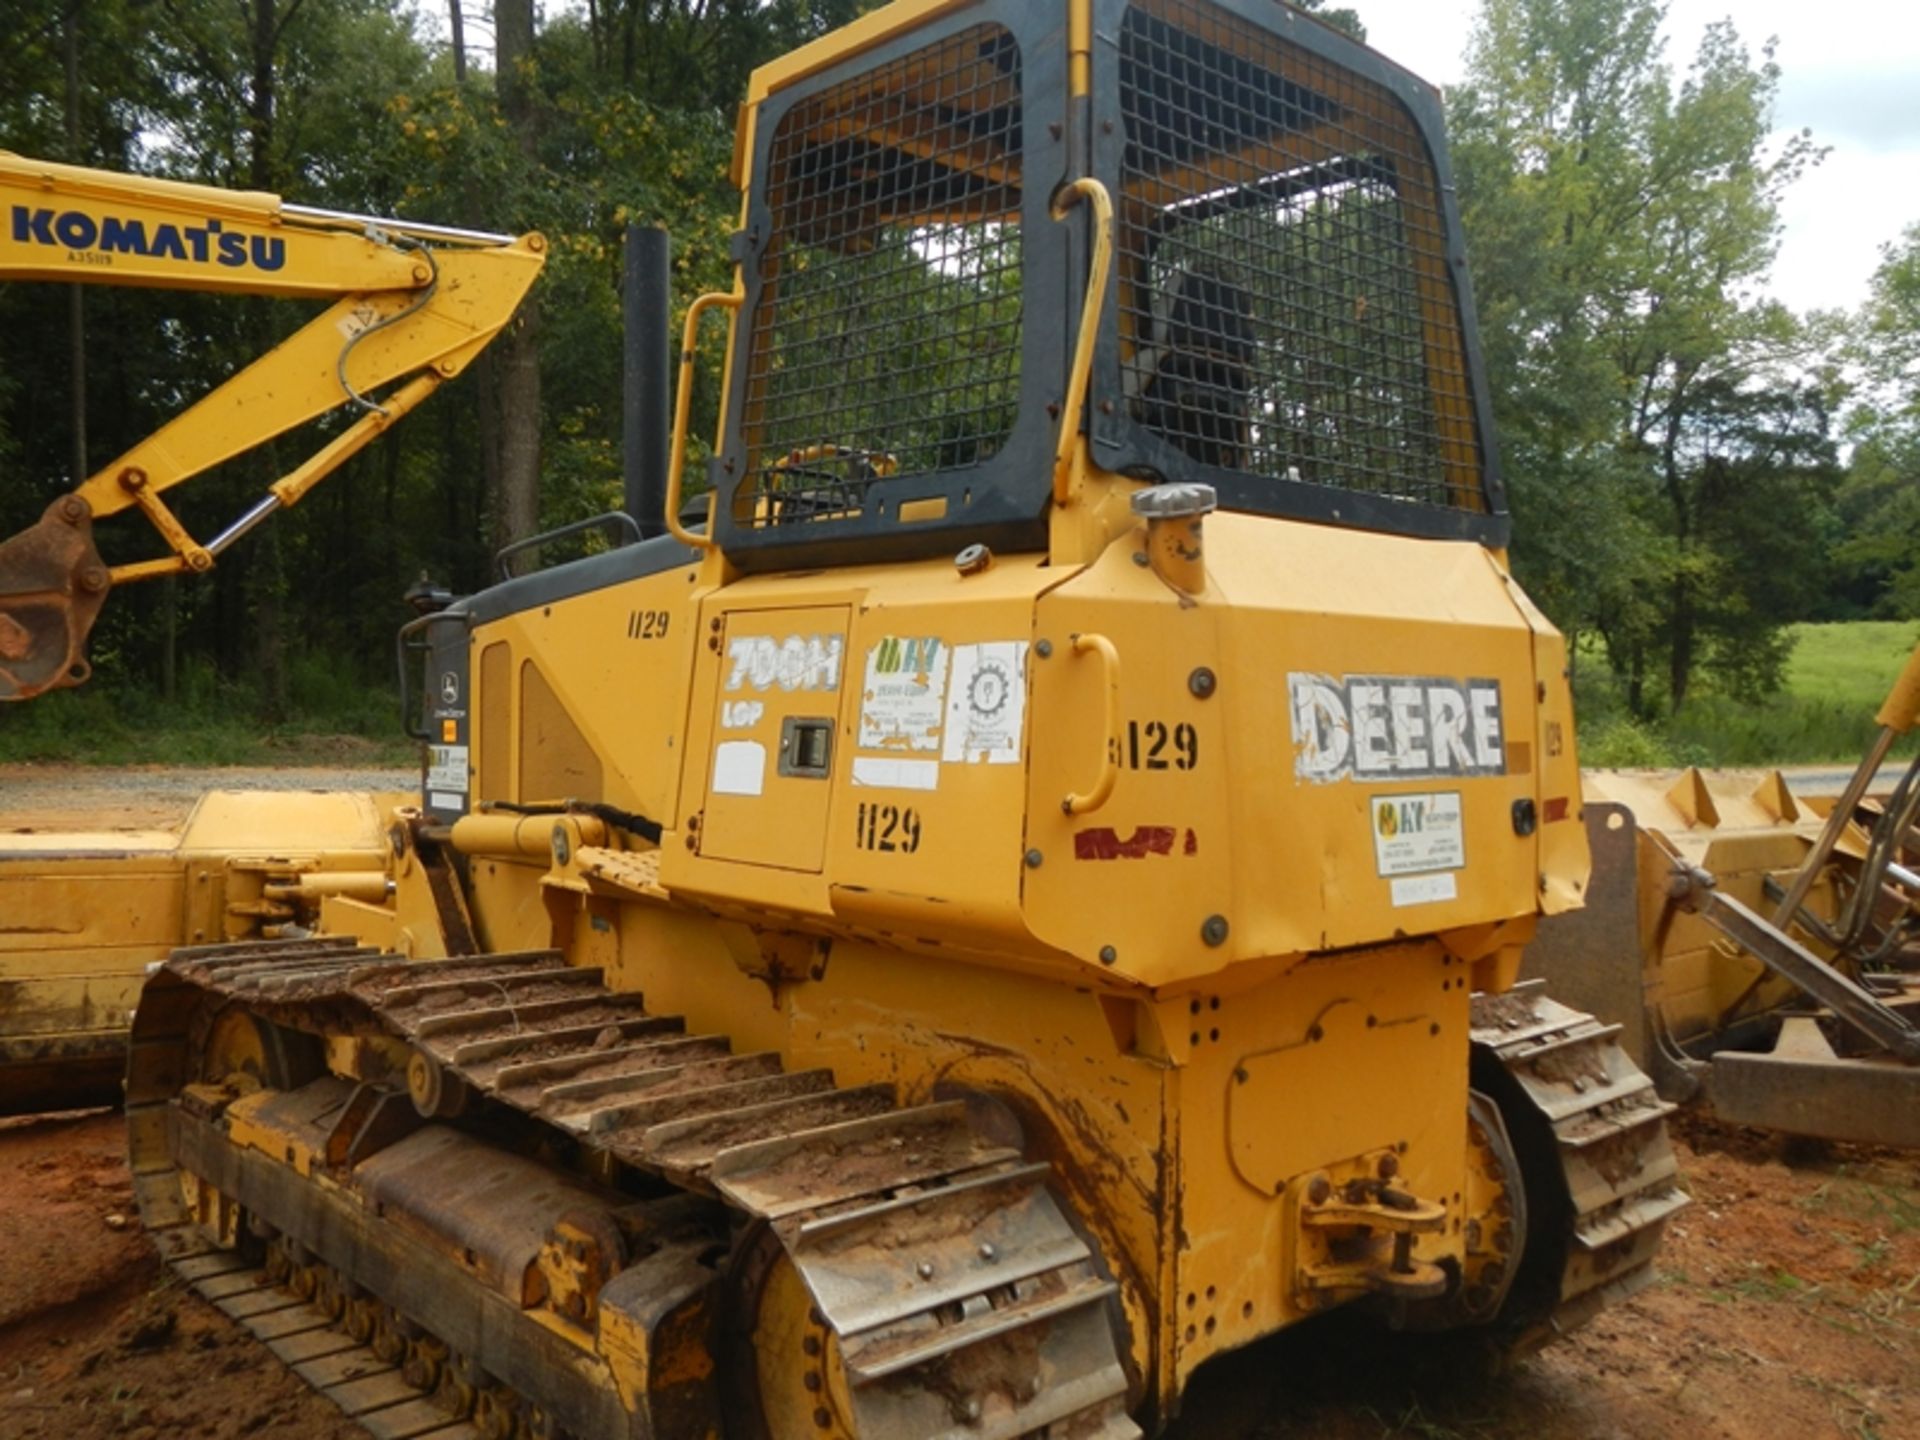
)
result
[(1350, 1218), (1695, 889)]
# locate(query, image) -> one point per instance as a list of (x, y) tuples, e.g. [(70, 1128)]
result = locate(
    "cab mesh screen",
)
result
[(1284, 303), (886, 338)]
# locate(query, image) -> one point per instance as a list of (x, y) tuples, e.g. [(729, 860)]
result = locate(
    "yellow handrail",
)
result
[(682, 404), (1091, 190), (1074, 803)]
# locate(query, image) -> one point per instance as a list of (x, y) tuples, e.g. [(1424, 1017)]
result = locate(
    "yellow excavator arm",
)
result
[(412, 306)]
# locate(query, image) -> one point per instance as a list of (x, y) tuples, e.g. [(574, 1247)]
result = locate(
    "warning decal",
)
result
[(1414, 834), (987, 703), (447, 768), (904, 697)]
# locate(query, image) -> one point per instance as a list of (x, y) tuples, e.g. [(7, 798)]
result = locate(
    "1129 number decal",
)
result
[(1156, 745), (887, 828)]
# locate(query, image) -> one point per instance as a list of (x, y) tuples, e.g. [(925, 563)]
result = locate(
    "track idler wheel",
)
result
[(785, 1358)]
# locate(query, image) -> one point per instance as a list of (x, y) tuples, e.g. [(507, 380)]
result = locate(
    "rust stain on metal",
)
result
[(14, 639)]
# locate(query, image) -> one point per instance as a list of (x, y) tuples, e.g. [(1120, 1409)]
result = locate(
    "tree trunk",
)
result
[(516, 509), (169, 639), (458, 22), (1681, 632), (260, 96), (518, 513)]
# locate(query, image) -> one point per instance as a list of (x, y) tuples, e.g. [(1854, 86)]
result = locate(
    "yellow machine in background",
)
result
[(1755, 946), (87, 914), (410, 306), (1024, 899)]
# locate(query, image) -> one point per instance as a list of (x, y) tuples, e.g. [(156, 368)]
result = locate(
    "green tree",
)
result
[(1621, 222), (1879, 558), (1340, 17)]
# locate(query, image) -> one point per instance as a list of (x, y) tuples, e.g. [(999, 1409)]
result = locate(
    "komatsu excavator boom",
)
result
[(412, 305)]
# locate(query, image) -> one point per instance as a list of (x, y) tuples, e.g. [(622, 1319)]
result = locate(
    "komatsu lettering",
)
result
[(208, 244), (1394, 727)]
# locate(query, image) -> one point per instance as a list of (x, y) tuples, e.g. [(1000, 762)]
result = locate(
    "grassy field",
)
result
[(334, 721), (1837, 677)]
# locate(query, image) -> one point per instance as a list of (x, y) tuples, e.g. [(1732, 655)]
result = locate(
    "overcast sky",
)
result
[(1850, 71)]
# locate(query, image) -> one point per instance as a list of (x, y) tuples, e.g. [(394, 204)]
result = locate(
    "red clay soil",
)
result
[(1788, 1305), (96, 1337)]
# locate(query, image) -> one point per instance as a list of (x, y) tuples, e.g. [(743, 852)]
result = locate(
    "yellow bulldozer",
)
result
[(1023, 888)]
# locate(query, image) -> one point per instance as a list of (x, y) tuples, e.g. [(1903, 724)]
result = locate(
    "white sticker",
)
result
[(885, 772), (741, 714), (440, 800), (987, 703), (739, 768), (1424, 889), (1414, 834), (904, 698), (447, 767), (799, 662), (1405, 727)]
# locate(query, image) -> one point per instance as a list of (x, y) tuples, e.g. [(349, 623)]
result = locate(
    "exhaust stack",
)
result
[(646, 414)]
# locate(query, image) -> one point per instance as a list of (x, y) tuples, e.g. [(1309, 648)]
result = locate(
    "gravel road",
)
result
[(151, 797)]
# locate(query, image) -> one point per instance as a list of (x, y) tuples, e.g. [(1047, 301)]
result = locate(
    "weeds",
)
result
[(1878, 1205), (1853, 1415), (1415, 1421), (333, 720)]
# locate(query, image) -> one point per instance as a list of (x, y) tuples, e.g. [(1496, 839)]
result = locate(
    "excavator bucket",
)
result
[(52, 583)]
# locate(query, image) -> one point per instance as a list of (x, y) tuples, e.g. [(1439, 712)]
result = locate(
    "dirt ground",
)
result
[(1787, 1303)]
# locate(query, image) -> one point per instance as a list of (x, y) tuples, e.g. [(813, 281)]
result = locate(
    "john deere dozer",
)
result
[(1024, 896)]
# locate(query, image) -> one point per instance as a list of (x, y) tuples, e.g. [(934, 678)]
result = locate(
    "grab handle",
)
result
[(1074, 803), (1095, 194), (682, 404)]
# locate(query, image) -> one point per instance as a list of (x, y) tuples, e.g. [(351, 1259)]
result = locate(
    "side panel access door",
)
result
[(777, 726)]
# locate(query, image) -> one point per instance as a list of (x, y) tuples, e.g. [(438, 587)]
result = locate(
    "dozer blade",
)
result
[(1591, 958), (1804, 1087), (52, 583)]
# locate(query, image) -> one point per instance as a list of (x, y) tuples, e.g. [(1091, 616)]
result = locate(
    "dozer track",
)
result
[(1591, 1129), (937, 1263)]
